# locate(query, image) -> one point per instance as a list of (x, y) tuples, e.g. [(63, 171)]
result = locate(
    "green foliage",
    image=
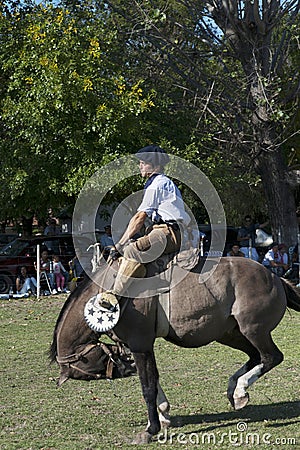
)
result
[(67, 106), (83, 83)]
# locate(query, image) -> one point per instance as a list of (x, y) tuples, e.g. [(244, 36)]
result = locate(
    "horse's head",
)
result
[(88, 362), (75, 347)]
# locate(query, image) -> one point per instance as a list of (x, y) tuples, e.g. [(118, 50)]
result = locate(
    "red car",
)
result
[(22, 252)]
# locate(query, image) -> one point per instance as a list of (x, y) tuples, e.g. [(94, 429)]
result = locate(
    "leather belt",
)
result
[(170, 223)]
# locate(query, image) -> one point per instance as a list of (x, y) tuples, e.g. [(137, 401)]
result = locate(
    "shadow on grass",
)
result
[(253, 413)]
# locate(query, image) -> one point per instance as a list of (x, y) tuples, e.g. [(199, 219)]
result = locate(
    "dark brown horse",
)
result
[(238, 306)]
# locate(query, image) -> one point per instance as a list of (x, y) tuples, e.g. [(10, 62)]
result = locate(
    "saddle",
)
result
[(186, 259), (101, 318)]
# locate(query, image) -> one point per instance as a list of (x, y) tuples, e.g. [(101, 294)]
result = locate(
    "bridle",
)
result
[(72, 359)]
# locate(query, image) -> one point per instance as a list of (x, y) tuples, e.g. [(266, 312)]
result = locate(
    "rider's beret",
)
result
[(154, 155)]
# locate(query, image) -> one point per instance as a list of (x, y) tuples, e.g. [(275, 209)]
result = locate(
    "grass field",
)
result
[(104, 414)]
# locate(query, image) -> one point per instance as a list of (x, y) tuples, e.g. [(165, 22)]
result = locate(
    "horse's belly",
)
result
[(196, 332)]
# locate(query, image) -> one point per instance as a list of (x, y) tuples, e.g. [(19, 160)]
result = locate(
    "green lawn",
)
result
[(103, 414)]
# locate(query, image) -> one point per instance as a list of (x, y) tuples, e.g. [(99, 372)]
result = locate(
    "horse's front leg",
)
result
[(148, 374)]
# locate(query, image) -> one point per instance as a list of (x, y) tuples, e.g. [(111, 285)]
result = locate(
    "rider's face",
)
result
[(146, 169)]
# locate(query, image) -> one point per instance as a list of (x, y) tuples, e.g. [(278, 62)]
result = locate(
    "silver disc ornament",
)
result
[(98, 318)]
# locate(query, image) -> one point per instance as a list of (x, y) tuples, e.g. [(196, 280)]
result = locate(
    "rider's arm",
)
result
[(134, 226)]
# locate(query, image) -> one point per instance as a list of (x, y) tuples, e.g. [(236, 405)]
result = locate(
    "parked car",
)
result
[(5, 238), (23, 252)]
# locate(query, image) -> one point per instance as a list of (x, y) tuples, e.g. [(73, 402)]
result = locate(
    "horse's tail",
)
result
[(292, 294)]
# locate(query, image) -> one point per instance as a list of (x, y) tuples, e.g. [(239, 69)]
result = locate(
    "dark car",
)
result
[(230, 238), (23, 252)]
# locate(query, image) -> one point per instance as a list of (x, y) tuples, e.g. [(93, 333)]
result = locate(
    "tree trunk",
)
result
[(268, 158), (249, 33), (279, 197)]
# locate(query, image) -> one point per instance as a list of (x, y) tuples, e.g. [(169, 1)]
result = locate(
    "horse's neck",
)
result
[(73, 330)]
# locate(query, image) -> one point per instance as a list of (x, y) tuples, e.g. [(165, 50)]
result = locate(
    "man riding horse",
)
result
[(163, 204)]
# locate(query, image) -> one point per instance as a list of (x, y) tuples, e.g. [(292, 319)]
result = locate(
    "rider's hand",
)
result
[(114, 254)]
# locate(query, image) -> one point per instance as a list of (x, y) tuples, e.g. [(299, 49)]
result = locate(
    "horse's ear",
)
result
[(63, 377)]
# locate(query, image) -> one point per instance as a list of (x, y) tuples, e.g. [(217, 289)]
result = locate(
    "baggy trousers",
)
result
[(161, 240)]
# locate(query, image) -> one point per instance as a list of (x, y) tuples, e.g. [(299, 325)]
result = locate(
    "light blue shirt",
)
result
[(106, 241), (162, 201)]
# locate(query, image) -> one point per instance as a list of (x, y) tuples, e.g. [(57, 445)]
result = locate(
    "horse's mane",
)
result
[(72, 297)]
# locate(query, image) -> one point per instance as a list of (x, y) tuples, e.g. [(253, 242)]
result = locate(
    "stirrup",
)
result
[(108, 300)]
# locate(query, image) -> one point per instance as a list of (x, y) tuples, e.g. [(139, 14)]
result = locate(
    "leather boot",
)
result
[(128, 270)]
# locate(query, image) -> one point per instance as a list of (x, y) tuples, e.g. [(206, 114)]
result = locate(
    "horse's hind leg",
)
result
[(270, 356), (235, 339)]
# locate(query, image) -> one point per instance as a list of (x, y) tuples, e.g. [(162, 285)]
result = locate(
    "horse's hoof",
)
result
[(142, 438), (165, 423), (231, 399), (164, 416), (241, 402)]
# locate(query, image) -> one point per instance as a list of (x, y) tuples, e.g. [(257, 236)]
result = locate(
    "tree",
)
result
[(236, 62), (66, 104)]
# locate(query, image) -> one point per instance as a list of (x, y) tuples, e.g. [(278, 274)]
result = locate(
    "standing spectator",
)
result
[(295, 254), (76, 271), (246, 237), (293, 273), (52, 228), (59, 272)]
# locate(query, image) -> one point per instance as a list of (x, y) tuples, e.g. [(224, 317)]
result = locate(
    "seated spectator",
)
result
[(283, 258), (295, 255), (235, 251), (76, 271), (76, 267), (274, 261), (106, 242), (25, 284), (293, 272)]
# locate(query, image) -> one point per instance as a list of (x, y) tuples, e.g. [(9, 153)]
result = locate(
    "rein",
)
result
[(76, 357)]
